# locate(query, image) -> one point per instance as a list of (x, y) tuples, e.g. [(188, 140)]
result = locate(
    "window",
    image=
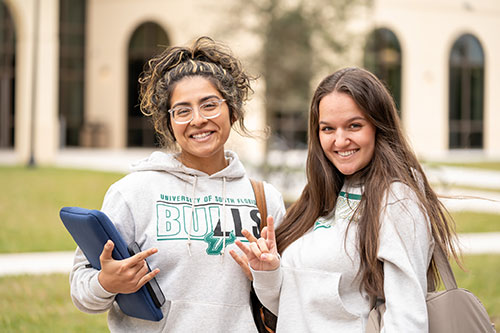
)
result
[(288, 72), (289, 130), (148, 39), (466, 94), (71, 70), (383, 58), (7, 77)]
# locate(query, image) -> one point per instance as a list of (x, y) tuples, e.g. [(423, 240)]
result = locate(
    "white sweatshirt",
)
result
[(315, 289), (204, 290)]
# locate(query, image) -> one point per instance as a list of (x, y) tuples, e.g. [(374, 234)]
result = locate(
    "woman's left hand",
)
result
[(262, 253), (242, 260)]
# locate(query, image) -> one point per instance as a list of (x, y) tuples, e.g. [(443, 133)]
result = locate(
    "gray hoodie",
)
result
[(316, 288), (184, 213)]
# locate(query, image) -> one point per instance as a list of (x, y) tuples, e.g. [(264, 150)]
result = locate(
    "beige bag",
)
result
[(453, 310)]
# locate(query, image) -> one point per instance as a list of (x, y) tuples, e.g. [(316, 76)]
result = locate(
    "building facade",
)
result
[(69, 72)]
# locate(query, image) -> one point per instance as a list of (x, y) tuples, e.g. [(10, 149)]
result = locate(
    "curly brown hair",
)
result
[(207, 58)]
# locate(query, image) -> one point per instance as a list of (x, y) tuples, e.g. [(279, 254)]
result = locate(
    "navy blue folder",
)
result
[(91, 229)]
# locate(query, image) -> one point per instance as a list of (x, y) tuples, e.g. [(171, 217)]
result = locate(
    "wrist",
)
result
[(98, 289), (278, 261), (104, 282)]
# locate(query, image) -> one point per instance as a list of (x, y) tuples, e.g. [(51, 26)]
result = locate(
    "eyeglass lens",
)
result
[(208, 110)]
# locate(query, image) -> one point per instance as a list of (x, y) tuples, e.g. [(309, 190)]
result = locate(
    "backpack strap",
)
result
[(260, 198)]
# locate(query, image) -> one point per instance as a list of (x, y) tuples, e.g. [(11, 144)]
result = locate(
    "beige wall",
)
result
[(489, 37), (426, 31)]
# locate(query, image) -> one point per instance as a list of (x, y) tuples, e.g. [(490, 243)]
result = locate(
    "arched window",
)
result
[(383, 58), (7, 77), (147, 40), (466, 93)]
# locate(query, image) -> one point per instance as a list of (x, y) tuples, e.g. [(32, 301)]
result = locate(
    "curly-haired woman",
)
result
[(187, 207)]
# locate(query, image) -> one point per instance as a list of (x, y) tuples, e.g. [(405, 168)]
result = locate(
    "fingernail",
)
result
[(263, 256)]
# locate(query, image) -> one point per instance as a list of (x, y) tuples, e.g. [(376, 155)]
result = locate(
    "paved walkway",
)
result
[(61, 262), (36, 263)]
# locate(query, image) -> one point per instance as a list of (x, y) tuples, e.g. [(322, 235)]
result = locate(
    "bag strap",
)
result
[(267, 319), (444, 268), (260, 198)]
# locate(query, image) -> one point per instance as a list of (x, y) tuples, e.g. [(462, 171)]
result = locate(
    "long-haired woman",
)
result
[(365, 225)]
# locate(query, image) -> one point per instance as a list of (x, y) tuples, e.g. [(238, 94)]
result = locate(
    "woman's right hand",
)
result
[(124, 276), (262, 254)]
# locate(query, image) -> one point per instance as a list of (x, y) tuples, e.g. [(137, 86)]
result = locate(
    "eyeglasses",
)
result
[(208, 110)]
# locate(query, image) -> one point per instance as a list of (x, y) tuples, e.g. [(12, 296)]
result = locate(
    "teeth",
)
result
[(201, 135), (346, 153)]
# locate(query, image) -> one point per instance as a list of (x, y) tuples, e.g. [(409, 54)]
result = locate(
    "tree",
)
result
[(300, 38)]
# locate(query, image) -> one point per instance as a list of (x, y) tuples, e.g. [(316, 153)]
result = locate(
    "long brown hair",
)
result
[(393, 160), (207, 58)]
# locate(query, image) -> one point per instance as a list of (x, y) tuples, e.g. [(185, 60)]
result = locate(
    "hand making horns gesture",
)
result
[(262, 253), (127, 275)]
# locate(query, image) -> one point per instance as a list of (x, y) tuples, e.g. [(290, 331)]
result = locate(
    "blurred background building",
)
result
[(69, 69)]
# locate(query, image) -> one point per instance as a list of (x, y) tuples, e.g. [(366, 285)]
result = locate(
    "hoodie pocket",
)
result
[(314, 295), (189, 316)]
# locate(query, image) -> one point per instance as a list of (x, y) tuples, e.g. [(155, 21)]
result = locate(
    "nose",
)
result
[(342, 138), (197, 118)]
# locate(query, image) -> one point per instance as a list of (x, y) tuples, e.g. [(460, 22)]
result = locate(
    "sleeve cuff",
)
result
[(99, 290), (267, 279)]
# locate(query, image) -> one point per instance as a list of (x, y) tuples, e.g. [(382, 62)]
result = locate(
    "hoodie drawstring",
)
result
[(192, 215), (223, 217)]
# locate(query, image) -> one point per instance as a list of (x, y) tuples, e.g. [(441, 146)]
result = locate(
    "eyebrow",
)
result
[(203, 99), (350, 120)]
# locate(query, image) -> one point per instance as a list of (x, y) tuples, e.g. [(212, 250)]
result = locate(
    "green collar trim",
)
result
[(350, 195)]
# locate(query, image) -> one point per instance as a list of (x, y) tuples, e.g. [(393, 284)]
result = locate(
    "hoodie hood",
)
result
[(160, 161)]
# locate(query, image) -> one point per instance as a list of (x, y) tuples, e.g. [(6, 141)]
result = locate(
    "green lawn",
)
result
[(29, 204), (494, 165), (43, 304), (476, 222), (30, 201)]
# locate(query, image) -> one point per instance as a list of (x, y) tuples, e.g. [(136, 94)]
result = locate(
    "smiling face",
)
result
[(346, 136), (201, 140)]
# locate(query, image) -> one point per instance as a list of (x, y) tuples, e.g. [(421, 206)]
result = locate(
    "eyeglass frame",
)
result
[(218, 101)]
